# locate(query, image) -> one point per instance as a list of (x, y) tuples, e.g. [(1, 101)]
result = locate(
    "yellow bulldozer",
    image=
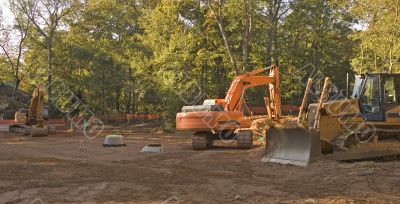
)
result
[(364, 125)]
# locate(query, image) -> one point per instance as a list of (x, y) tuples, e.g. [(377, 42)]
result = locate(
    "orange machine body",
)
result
[(224, 114), (212, 120)]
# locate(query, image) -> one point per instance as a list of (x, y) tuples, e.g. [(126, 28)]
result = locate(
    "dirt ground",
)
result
[(67, 168)]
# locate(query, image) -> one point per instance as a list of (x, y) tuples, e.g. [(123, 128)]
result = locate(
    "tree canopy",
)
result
[(154, 56)]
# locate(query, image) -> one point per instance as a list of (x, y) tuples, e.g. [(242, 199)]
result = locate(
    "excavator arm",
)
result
[(234, 98), (36, 107)]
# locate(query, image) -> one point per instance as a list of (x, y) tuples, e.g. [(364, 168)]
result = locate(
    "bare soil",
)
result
[(67, 168)]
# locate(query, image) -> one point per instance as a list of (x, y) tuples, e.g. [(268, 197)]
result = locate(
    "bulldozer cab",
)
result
[(377, 93)]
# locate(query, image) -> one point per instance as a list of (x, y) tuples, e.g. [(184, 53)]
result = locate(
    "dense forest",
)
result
[(154, 56)]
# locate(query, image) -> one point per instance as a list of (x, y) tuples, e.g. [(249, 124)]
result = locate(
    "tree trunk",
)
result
[(202, 74), (275, 56), (117, 102), (227, 45), (17, 67), (17, 82), (362, 58), (246, 35), (49, 70), (271, 57), (268, 49), (133, 102), (102, 85), (390, 60)]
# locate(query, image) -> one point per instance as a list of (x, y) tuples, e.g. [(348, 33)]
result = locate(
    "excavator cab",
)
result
[(22, 115)]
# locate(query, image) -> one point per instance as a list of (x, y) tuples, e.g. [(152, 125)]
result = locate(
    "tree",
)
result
[(46, 17), (96, 56), (13, 44), (273, 12), (315, 37), (379, 48), (155, 56), (216, 8)]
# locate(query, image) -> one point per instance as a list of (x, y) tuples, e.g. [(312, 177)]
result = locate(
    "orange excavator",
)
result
[(224, 119)]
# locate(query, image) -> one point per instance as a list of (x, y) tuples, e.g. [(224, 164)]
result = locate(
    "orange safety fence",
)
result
[(287, 108), (142, 116), (51, 121), (122, 117), (260, 110)]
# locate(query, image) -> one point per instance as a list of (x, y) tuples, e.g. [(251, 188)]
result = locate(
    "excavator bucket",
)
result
[(297, 146), (37, 131)]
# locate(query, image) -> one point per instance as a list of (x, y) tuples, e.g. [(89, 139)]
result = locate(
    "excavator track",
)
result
[(245, 139), (18, 129), (33, 130), (199, 141)]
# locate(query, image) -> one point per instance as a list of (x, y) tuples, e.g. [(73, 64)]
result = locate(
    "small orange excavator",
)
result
[(223, 119), (31, 121)]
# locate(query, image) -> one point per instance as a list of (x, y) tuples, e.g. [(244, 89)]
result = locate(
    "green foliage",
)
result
[(379, 47), (153, 57), (314, 37)]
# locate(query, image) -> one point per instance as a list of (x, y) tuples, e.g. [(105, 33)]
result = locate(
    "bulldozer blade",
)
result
[(297, 146)]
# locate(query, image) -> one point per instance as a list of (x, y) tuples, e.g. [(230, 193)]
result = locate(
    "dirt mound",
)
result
[(260, 126)]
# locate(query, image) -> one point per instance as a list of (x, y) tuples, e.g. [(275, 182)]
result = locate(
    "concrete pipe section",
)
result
[(114, 141)]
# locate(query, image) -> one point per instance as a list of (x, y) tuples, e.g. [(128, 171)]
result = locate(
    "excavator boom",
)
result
[(234, 97), (36, 105)]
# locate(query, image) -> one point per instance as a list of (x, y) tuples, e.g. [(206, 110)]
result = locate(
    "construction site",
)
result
[(58, 169), (199, 101), (269, 159)]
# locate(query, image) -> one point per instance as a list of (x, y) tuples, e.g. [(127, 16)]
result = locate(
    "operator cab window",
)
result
[(370, 97), (391, 90)]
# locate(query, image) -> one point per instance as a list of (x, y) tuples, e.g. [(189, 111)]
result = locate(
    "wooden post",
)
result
[(304, 103), (267, 105), (324, 95)]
